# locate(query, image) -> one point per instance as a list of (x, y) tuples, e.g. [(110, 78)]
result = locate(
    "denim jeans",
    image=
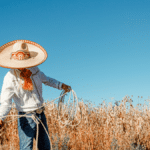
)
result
[(27, 131)]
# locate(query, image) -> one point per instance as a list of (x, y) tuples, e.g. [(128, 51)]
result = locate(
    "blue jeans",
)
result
[(27, 131)]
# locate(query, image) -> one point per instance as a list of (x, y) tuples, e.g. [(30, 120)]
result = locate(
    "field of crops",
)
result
[(103, 128)]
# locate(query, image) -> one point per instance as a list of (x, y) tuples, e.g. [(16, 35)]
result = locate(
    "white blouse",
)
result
[(24, 100)]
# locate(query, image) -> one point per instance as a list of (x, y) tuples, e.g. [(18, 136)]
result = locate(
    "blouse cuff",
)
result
[(60, 86)]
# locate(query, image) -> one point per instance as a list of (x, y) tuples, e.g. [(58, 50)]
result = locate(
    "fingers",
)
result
[(66, 88), (69, 88)]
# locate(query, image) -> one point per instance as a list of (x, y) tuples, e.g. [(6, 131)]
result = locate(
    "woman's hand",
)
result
[(66, 88)]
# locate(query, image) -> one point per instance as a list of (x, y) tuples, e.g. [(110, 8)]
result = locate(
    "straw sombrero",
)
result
[(21, 54)]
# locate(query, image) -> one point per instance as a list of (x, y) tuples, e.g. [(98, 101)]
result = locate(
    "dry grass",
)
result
[(98, 129)]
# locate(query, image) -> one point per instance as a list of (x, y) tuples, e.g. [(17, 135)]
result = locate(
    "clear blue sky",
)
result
[(100, 48)]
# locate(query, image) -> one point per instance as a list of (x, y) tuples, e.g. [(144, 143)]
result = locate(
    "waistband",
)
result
[(38, 111)]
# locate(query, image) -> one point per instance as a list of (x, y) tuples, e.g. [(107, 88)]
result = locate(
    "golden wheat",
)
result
[(99, 129)]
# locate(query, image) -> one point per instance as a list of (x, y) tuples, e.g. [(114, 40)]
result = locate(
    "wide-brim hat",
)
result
[(21, 54)]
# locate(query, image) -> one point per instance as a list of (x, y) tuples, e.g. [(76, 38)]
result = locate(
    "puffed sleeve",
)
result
[(6, 95)]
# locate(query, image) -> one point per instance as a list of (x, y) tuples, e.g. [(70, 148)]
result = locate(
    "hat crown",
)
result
[(20, 46)]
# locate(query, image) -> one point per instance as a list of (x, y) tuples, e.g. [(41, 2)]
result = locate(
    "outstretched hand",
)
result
[(65, 87)]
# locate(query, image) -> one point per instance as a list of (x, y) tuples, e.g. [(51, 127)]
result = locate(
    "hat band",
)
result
[(20, 55)]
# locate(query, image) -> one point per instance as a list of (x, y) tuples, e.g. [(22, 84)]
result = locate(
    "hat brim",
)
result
[(37, 52)]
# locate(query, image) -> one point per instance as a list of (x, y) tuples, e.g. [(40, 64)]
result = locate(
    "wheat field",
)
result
[(102, 128)]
